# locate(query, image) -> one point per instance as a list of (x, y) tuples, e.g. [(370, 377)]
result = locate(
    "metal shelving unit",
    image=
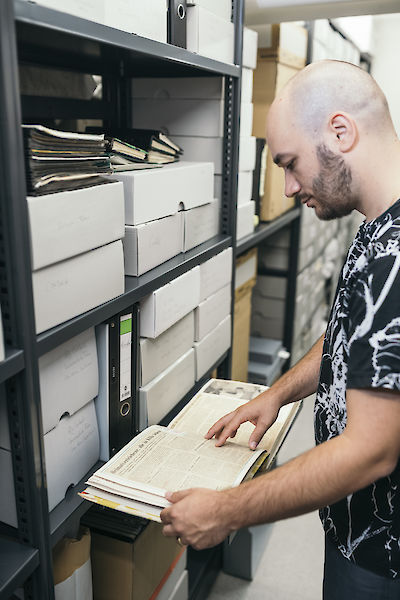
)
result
[(17, 564), (265, 230)]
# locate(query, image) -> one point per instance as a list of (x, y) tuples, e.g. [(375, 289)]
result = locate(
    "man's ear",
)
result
[(344, 130)]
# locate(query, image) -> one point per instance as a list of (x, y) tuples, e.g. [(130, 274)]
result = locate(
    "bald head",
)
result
[(328, 86)]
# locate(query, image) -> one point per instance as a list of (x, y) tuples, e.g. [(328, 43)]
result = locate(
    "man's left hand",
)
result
[(196, 516)]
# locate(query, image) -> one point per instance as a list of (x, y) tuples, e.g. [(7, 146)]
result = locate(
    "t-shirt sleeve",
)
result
[(374, 325)]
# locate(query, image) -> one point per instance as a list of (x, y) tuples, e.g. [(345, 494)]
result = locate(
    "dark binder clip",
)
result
[(177, 23)]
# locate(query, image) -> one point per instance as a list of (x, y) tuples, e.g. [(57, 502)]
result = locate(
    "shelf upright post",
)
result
[(231, 159), (22, 390)]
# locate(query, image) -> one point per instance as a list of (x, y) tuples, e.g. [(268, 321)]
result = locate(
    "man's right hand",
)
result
[(262, 411)]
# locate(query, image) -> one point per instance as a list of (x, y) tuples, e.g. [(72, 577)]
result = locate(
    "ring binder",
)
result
[(177, 23)]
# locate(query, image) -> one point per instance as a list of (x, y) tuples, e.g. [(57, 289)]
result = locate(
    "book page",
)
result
[(160, 459)]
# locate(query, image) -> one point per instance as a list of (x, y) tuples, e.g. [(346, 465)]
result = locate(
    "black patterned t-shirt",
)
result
[(362, 350)]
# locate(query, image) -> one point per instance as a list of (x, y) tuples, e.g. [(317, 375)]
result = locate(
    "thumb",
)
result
[(176, 496), (256, 436)]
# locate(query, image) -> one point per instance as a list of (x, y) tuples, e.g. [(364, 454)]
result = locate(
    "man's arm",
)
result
[(367, 450), (298, 383)]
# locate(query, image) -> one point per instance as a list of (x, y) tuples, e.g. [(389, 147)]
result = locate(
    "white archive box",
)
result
[(215, 273), (209, 34), (193, 117), (211, 312), (65, 224), (150, 244), (2, 348), (69, 378), (73, 286), (70, 449), (245, 219), (161, 394), (212, 347), (247, 153), (245, 187), (151, 194), (247, 85), (249, 58), (246, 270), (200, 149), (206, 88), (200, 224), (222, 8), (149, 21), (167, 305), (159, 353), (92, 10)]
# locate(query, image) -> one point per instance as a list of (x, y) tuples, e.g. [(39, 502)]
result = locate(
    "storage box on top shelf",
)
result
[(210, 349), (73, 286), (245, 279), (245, 219), (209, 35), (151, 194), (222, 8), (169, 88), (148, 567), (167, 305), (215, 273), (157, 354), (163, 393), (192, 117), (150, 244), (64, 224), (72, 570), (211, 312), (68, 377), (285, 43), (71, 449), (249, 55)]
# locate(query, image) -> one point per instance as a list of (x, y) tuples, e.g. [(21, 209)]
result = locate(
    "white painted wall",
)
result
[(385, 49)]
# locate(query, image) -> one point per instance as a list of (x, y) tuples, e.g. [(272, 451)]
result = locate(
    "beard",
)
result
[(331, 188)]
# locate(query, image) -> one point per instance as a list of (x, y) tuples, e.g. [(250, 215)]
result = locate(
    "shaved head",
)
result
[(325, 87)]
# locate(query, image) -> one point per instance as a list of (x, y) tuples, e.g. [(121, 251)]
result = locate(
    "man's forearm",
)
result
[(302, 379)]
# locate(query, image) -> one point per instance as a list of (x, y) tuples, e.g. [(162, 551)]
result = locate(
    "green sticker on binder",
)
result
[(125, 326)]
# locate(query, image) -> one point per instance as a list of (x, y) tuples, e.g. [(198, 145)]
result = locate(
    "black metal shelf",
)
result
[(12, 364), (265, 230), (136, 288), (17, 563), (53, 38), (67, 514)]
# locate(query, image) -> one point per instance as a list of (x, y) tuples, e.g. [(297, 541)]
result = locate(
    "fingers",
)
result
[(176, 496), (230, 429), (257, 434), (218, 426)]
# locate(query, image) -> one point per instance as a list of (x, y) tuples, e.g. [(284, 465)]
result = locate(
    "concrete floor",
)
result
[(291, 566)]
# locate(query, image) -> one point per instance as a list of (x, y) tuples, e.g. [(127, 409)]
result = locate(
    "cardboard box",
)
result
[(206, 88), (247, 85), (284, 42), (150, 244), (245, 186), (2, 347), (72, 570), (247, 153), (249, 57), (269, 78), (192, 117), (65, 224), (209, 34), (151, 194), (241, 331), (69, 378), (200, 224), (161, 394), (210, 349), (138, 570), (246, 268), (130, 16), (159, 353), (200, 149), (211, 312), (245, 219), (273, 201), (70, 449), (167, 305), (215, 273), (222, 8), (73, 286)]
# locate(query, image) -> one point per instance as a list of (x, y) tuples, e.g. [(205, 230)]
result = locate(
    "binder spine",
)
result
[(177, 23)]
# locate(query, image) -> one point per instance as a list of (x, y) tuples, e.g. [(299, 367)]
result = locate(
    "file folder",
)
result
[(115, 404)]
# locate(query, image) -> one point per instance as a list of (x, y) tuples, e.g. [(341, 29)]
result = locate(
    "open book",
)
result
[(178, 457)]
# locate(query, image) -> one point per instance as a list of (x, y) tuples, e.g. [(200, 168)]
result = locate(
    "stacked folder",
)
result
[(61, 160)]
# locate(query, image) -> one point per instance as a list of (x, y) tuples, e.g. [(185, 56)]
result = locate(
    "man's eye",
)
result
[(290, 166)]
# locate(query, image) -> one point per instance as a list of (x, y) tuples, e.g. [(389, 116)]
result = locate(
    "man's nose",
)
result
[(292, 186)]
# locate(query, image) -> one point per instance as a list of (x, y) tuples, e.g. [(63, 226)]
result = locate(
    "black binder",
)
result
[(116, 402), (258, 173), (177, 23)]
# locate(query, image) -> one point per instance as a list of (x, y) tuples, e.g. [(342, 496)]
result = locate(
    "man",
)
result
[(331, 131)]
